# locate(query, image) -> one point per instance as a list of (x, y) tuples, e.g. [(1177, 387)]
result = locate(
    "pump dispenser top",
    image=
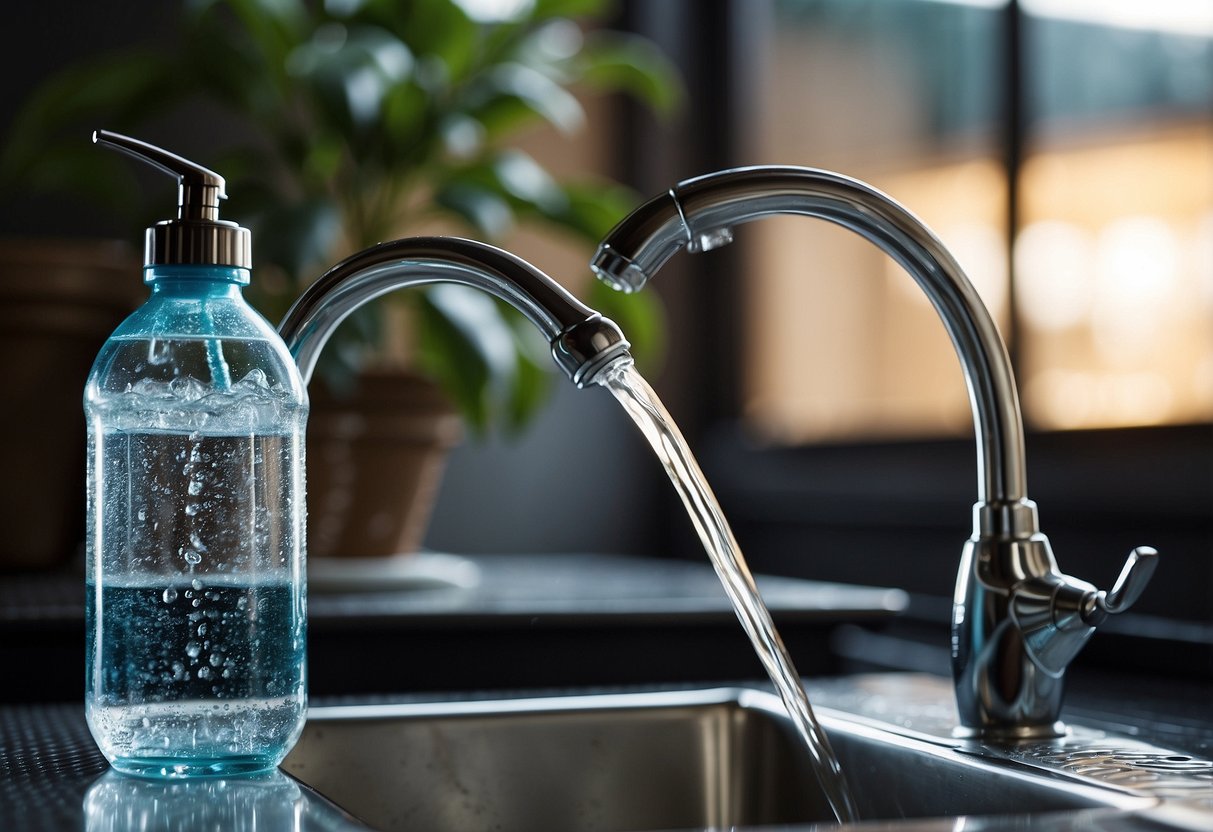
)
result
[(197, 236)]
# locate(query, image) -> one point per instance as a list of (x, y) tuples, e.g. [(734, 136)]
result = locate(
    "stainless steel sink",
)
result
[(697, 759)]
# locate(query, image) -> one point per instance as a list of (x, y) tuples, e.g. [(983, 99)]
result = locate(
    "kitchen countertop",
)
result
[(609, 613), (500, 621)]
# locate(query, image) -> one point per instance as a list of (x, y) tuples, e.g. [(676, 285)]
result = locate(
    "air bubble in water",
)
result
[(196, 584), (193, 559), (193, 649), (158, 351), (170, 595)]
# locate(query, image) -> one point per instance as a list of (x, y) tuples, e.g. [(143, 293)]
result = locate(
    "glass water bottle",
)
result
[(195, 547)]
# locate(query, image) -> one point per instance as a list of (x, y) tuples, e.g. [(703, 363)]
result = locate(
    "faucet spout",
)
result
[(582, 341), (1017, 621)]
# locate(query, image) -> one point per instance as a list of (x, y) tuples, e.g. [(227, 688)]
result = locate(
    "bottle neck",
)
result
[(196, 281)]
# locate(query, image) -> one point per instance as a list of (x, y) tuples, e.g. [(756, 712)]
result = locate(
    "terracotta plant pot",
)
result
[(374, 463), (59, 301)]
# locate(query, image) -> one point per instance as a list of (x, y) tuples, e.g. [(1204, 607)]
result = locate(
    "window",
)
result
[(1081, 144)]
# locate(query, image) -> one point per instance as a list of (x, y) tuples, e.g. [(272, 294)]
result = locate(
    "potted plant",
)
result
[(360, 121)]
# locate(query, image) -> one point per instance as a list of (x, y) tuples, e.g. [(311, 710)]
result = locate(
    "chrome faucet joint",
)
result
[(1017, 620)]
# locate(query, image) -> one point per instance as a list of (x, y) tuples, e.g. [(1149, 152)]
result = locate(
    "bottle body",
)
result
[(195, 614)]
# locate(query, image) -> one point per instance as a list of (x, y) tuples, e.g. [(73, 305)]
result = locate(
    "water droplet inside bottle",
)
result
[(196, 584), (170, 595), (192, 649)]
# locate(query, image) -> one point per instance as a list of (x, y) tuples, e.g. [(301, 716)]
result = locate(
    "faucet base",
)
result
[(1011, 733)]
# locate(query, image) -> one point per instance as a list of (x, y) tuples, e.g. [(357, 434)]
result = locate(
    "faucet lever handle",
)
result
[(1138, 570)]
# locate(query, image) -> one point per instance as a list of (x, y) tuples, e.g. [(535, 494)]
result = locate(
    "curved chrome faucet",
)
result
[(583, 342), (1017, 620)]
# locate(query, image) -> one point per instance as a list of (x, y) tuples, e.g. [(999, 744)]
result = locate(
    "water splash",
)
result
[(646, 410)]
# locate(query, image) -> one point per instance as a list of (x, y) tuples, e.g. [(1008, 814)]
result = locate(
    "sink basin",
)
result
[(692, 759)]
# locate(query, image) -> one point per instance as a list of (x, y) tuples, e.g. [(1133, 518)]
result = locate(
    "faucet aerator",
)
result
[(618, 271)]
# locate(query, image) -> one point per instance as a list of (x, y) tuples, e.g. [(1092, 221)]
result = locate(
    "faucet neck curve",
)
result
[(698, 214), (582, 341)]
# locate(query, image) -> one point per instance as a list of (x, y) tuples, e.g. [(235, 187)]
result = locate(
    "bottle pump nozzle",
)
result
[(197, 236)]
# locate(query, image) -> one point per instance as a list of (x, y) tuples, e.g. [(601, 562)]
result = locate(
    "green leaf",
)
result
[(344, 8), (456, 362), (405, 113), (544, 9), (511, 93), (299, 236), (485, 211), (323, 159), (442, 30), (525, 180), (532, 380), (230, 41), (352, 69), (592, 208), (614, 61), (462, 136)]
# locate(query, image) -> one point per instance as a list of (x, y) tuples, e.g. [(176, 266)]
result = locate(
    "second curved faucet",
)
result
[(1017, 620)]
